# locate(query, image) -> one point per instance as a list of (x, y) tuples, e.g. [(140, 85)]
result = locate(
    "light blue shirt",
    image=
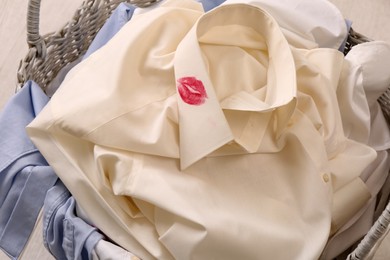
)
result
[(24, 174), (121, 15), (210, 4), (66, 235)]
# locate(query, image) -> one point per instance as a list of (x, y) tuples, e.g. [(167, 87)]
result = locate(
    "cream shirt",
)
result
[(201, 136)]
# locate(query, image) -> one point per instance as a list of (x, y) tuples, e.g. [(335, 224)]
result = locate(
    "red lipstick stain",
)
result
[(191, 90)]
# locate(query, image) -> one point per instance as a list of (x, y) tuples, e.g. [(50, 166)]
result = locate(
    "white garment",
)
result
[(213, 139), (365, 77), (105, 250), (306, 23)]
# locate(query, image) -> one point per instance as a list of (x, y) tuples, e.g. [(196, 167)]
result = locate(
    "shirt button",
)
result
[(325, 177)]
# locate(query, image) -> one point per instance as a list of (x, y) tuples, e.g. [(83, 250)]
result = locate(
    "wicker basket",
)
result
[(50, 53)]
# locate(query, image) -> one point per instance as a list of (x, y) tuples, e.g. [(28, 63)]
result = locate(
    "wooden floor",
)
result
[(370, 17)]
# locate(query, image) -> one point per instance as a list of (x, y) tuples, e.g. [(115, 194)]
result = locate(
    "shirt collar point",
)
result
[(190, 155)]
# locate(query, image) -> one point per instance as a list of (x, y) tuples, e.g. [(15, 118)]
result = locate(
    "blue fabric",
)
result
[(121, 15), (65, 235), (24, 174), (210, 4)]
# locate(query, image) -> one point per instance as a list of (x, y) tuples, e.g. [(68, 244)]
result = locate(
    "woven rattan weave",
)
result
[(50, 53)]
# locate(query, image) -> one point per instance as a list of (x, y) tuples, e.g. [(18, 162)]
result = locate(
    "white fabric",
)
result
[(306, 23), (213, 139), (365, 77), (371, 63), (105, 250)]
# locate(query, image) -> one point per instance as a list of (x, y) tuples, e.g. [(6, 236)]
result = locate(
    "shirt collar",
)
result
[(202, 123)]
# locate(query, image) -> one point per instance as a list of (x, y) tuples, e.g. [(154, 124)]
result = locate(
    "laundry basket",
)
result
[(48, 54)]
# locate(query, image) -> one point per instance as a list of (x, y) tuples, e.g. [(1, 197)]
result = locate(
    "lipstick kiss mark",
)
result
[(191, 90)]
